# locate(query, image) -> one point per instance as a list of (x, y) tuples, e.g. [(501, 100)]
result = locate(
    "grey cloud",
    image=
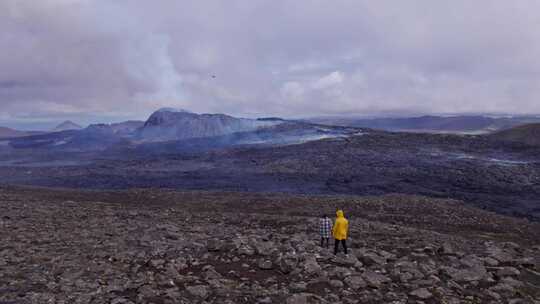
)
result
[(85, 59)]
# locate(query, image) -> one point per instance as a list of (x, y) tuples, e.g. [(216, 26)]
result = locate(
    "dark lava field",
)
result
[(479, 170)]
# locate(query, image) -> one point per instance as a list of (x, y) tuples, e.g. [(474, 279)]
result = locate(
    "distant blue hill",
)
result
[(450, 124)]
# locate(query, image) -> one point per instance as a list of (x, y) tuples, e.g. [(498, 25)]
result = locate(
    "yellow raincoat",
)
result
[(341, 226)]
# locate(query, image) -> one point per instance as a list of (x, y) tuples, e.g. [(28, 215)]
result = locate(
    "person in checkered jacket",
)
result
[(325, 230)]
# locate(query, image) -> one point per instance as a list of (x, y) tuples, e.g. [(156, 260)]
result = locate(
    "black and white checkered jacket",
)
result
[(325, 227)]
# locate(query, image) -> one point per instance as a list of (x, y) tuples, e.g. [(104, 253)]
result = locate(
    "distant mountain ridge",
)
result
[(178, 130), (12, 133), (67, 125), (451, 124)]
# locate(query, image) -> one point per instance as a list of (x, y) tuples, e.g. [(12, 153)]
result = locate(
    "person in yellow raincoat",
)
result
[(340, 230)]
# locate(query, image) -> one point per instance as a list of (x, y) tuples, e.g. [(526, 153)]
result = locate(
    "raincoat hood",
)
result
[(341, 226)]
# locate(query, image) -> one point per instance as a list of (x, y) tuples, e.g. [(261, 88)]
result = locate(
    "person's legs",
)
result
[(344, 242), (325, 242), (336, 246)]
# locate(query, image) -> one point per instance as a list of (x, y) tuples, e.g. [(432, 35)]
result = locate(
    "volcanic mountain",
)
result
[(167, 125), (180, 130), (67, 125)]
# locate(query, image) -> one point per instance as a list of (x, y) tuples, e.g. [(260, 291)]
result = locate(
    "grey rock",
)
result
[(214, 245), (265, 264), (489, 261), (311, 267), (512, 282), (523, 262), (305, 298), (336, 283), (501, 255), (121, 301), (371, 258), (246, 250), (298, 287), (355, 282), (287, 263), (349, 260), (265, 300), (375, 280), (198, 291), (446, 249), (421, 293), (211, 274), (503, 288), (467, 275), (264, 248), (508, 271)]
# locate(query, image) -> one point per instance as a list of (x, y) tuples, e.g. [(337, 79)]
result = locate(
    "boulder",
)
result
[(199, 291), (311, 267), (246, 250), (421, 293), (287, 263), (355, 282), (265, 264), (346, 260), (336, 284), (466, 275), (446, 249), (298, 287), (375, 280), (305, 298), (214, 245), (508, 272), (371, 258), (264, 248)]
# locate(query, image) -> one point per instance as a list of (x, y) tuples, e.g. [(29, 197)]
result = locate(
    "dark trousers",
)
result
[(325, 241), (336, 246)]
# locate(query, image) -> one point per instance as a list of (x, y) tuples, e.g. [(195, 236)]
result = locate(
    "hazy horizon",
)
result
[(49, 125), (110, 61)]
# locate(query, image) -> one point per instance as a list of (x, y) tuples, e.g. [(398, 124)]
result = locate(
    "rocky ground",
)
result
[(149, 246)]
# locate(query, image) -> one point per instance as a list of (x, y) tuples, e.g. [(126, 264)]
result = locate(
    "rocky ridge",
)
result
[(148, 246), (528, 134)]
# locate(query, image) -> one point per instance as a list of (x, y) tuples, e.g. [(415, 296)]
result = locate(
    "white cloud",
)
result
[(328, 81), (283, 58), (148, 60)]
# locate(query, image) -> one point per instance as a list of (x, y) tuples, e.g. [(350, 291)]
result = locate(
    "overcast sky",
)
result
[(110, 60)]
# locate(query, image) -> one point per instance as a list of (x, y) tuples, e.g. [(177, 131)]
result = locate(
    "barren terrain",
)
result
[(151, 246)]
